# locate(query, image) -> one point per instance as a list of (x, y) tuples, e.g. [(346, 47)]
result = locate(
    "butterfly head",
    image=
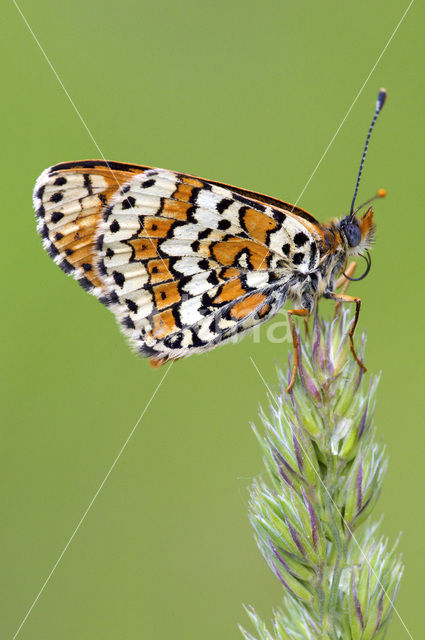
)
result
[(358, 234)]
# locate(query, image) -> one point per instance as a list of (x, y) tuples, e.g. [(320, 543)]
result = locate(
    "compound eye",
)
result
[(353, 234)]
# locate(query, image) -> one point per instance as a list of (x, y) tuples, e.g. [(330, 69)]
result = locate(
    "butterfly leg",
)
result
[(342, 297), (295, 312), (343, 283)]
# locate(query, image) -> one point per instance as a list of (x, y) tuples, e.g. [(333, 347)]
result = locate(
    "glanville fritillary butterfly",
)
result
[(186, 264)]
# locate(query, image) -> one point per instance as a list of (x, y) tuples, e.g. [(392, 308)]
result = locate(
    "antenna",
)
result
[(381, 193), (379, 104)]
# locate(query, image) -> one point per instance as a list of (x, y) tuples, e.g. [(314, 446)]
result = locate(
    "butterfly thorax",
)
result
[(305, 289)]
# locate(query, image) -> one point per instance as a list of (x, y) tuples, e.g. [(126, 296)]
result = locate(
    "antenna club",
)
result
[(380, 101), (381, 193)]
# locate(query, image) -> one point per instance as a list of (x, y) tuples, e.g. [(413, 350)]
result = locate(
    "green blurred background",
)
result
[(245, 92)]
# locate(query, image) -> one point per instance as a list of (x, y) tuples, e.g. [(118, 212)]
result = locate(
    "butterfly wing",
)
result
[(69, 199), (184, 263)]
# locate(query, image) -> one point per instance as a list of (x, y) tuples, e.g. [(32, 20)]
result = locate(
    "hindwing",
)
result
[(184, 263)]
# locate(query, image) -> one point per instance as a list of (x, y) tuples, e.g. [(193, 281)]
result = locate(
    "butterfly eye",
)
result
[(352, 233)]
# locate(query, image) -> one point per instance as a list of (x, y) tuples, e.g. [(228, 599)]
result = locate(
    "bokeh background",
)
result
[(245, 92)]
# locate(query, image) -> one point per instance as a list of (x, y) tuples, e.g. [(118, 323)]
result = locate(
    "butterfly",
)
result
[(186, 264)]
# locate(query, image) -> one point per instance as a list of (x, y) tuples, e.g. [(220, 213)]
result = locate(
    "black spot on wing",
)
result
[(131, 305), (212, 278), (146, 351), (224, 224), (313, 252), (202, 235), (128, 323), (52, 251), (203, 264), (88, 184), (300, 238), (39, 193), (241, 216), (101, 267), (196, 340), (85, 283), (279, 216), (44, 231), (194, 195), (99, 242), (107, 213), (56, 217), (223, 204), (118, 278), (174, 341), (66, 266), (128, 203), (190, 214)]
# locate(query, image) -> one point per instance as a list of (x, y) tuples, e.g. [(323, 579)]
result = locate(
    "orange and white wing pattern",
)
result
[(69, 199), (184, 263)]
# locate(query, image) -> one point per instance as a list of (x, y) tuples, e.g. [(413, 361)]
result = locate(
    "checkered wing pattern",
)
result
[(184, 263)]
